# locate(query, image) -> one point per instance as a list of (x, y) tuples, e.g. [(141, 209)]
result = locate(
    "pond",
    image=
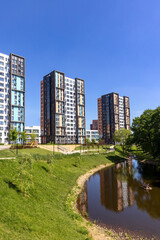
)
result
[(114, 198)]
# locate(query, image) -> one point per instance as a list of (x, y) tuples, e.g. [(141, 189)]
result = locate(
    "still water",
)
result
[(114, 197)]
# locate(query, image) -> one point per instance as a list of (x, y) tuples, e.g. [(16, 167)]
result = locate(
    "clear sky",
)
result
[(114, 45)]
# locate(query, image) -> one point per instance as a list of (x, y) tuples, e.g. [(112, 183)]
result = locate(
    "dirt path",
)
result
[(96, 232)]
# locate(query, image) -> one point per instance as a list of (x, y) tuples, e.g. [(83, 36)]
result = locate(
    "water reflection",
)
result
[(114, 197), (116, 193)]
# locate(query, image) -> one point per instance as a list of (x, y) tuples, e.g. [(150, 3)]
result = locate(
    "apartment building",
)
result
[(33, 130), (42, 110), (63, 114), (94, 125), (99, 103), (114, 113), (92, 134), (12, 94)]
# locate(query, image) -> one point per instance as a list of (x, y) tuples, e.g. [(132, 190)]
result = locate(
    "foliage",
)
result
[(99, 140), (121, 136), (93, 141), (146, 132), (23, 136), (13, 135), (33, 136), (87, 141)]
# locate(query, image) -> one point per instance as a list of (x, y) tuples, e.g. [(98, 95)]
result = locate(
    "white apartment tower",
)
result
[(12, 94)]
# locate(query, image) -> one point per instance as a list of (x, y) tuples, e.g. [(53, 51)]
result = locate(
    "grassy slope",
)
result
[(12, 152), (101, 147), (43, 215)]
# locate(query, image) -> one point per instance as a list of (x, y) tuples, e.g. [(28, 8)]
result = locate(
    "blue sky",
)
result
[(114, 45)]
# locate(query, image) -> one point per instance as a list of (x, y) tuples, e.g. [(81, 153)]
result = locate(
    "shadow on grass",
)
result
[(119, 150), (116, 158), (45, 169), (12, 185)]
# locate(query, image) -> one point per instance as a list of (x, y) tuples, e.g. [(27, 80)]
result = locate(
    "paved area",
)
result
[(4, 147), (68, 149)]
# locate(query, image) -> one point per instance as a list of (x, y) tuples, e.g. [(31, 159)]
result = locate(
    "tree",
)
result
[(33, 136), (121, 136), (23, 136), (13, 135), (87, 141), (93, 142), (146, 131), (99, 140)]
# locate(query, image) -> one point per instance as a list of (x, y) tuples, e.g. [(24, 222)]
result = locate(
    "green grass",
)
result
[(101, 147), (42, 213), (12, 152)]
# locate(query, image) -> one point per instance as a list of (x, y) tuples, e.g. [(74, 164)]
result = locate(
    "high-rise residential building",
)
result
[(42, 110), (99, 103), (94, 125), (115, 114), (12, 94), (63, 110)]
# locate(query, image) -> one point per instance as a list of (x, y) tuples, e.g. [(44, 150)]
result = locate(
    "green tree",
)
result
[(121, 136), (13, 135), (87, 141), (93, 142), (23, 136), (99, 140), (99, 143), (146, 131), (33, 136)]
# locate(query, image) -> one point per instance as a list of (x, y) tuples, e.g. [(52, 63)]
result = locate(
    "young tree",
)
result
[(121, 136), (33, 136), (93, 142), (88, 143), (13, 135), (23, 136), (99, 140), (99, 143)]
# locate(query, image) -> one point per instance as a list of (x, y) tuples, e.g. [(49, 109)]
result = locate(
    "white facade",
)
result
[(33, 129), (92, 134), (4, 97), (121, 113), (70, 107)]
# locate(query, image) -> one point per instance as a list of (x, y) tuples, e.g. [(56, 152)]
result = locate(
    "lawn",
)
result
[(102, 148), (33, 195), (38, 210), (12, 152)]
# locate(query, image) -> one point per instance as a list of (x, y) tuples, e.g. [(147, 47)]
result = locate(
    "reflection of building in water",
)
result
[(83, 201), (116, 194)]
